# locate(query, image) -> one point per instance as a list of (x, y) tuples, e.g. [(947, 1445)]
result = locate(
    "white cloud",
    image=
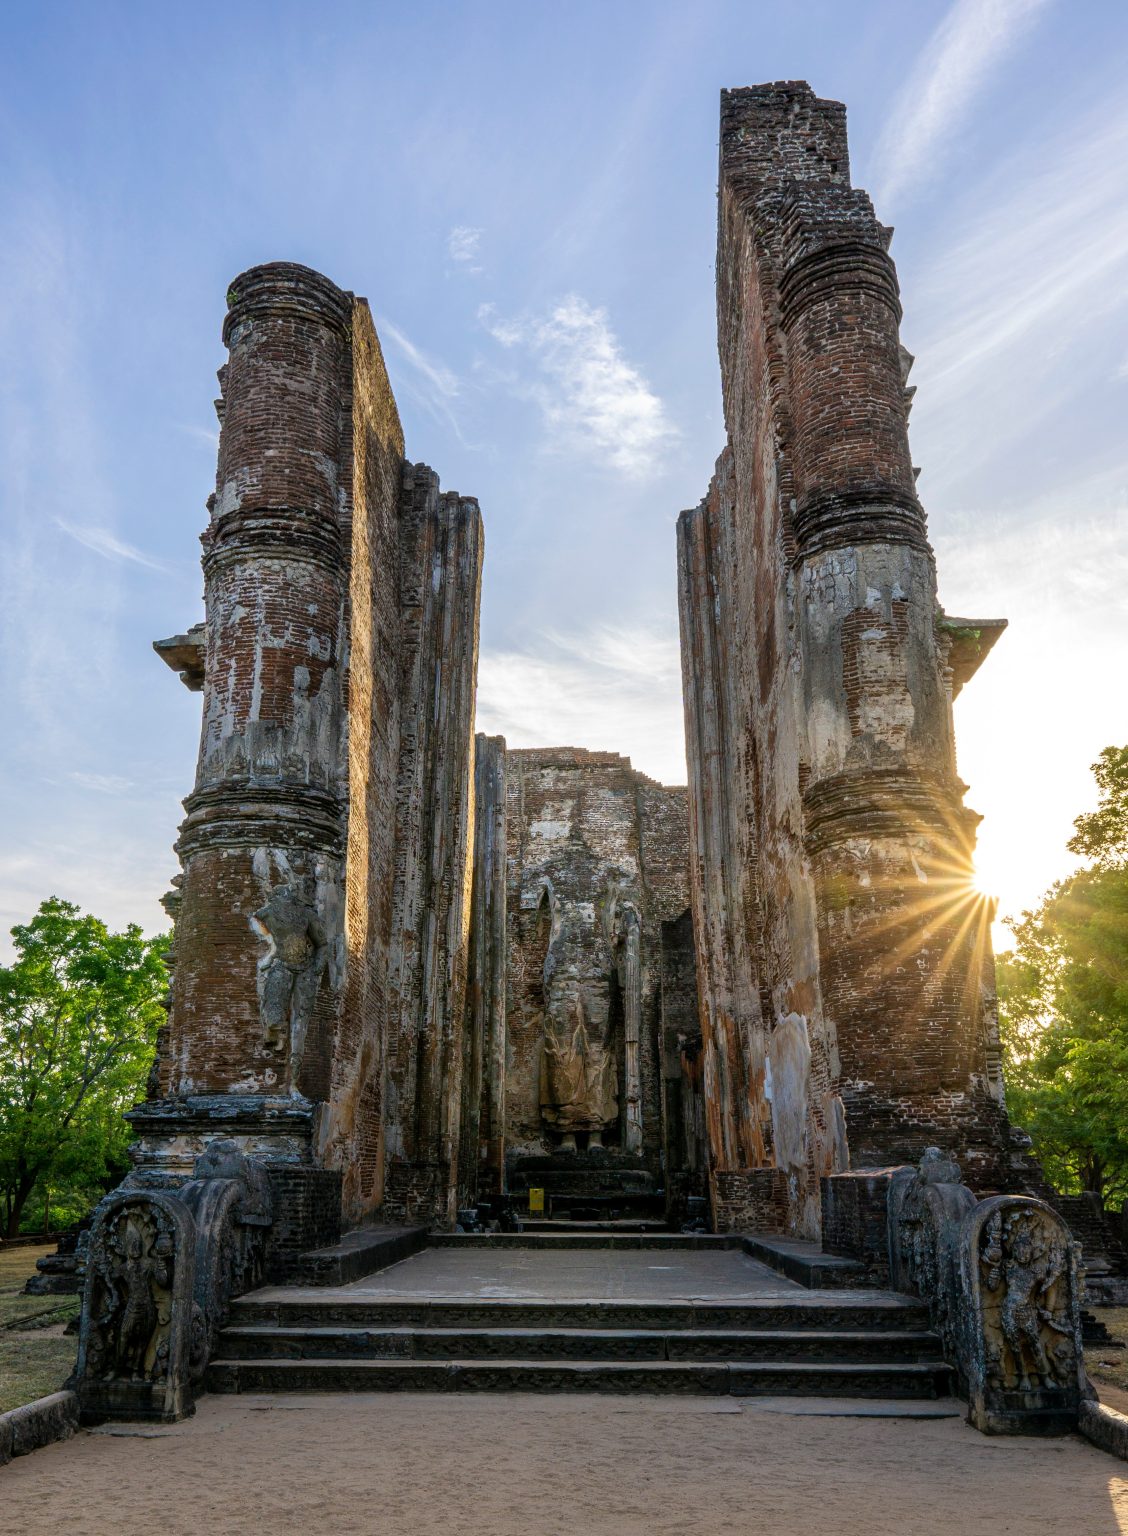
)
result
[(969, 43), (101, 783), (108, 545), (612, 688), (593, 400), (463, 245), (118, 873)]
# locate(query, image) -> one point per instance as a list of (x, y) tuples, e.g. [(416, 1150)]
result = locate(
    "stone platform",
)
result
[(590, 1185), (478, 1316)]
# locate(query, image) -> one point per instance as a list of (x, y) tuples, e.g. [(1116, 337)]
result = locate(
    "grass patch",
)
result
[(1109, 1367), (35, 1357)]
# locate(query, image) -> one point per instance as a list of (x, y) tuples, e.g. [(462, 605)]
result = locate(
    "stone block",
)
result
[(855, 1218), (34, 1425), (1105, 1427)]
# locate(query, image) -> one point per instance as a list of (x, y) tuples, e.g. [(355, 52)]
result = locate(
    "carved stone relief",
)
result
[(1021, 1279), (289, 972), (161, 1272), (579, 1087), (625, 934), (1000, 1277), (141, 1327)]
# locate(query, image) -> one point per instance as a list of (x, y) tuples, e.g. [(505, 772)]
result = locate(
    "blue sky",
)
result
[(526, 195)]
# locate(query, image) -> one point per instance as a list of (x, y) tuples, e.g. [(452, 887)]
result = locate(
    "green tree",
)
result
[(1063, 995), (79, 1011)]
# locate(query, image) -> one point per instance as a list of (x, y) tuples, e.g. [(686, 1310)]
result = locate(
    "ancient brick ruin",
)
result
[(443, 993), (845, 970), (322, 914), (412, 974)]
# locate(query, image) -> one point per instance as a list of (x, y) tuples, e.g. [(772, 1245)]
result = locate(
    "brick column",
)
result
[(900, 939), (259, 941)]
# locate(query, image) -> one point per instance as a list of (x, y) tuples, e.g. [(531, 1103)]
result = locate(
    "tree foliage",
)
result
[(79, 1011), (1063, 996)]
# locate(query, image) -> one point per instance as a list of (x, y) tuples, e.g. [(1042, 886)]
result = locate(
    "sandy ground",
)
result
[(421, 1465)]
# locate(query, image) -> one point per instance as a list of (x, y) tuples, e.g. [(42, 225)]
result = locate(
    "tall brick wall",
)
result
[(323, 912), (482, 1156), (352, 1129), (440, 573), (844, 965)]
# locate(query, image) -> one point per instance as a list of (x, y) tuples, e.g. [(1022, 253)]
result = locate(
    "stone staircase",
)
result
[(876, 1347)]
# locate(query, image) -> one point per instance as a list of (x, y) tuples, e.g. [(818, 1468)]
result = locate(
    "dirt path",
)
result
[(416, 1465)]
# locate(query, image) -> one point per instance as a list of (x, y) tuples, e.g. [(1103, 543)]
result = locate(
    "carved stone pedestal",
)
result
[(278, 1132)]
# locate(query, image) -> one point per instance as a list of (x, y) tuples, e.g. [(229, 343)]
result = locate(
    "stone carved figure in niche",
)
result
[(289, 973), (1029, 1332), (579, 1083), (579, 1089), (625, 934), (131, 1310)]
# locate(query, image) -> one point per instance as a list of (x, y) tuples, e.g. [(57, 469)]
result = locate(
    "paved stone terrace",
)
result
[(574, 1274)]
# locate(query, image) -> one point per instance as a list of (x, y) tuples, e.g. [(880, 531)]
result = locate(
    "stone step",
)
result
[(608, 1207), (292, 1308), (908, 1380), (582, 1170), (596, 1187), (560, 1240), (565, 1226), (265, 1342), (358, 1253), (807, 1264)]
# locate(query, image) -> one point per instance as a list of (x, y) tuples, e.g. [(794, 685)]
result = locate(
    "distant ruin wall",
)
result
[(596, 864), (844, 964)]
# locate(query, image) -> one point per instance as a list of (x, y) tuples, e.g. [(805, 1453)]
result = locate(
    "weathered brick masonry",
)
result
[(430, 971), (323, 908), (845, 975)]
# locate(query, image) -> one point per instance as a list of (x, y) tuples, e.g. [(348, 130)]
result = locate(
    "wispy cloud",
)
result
[(440, 378), (972, 40), (52, 454), (100, 783), (463, 246), (118, 875), (593, 400), (107, 544), (201, 434), (429, 382), (1013, 315), (611, 688)]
